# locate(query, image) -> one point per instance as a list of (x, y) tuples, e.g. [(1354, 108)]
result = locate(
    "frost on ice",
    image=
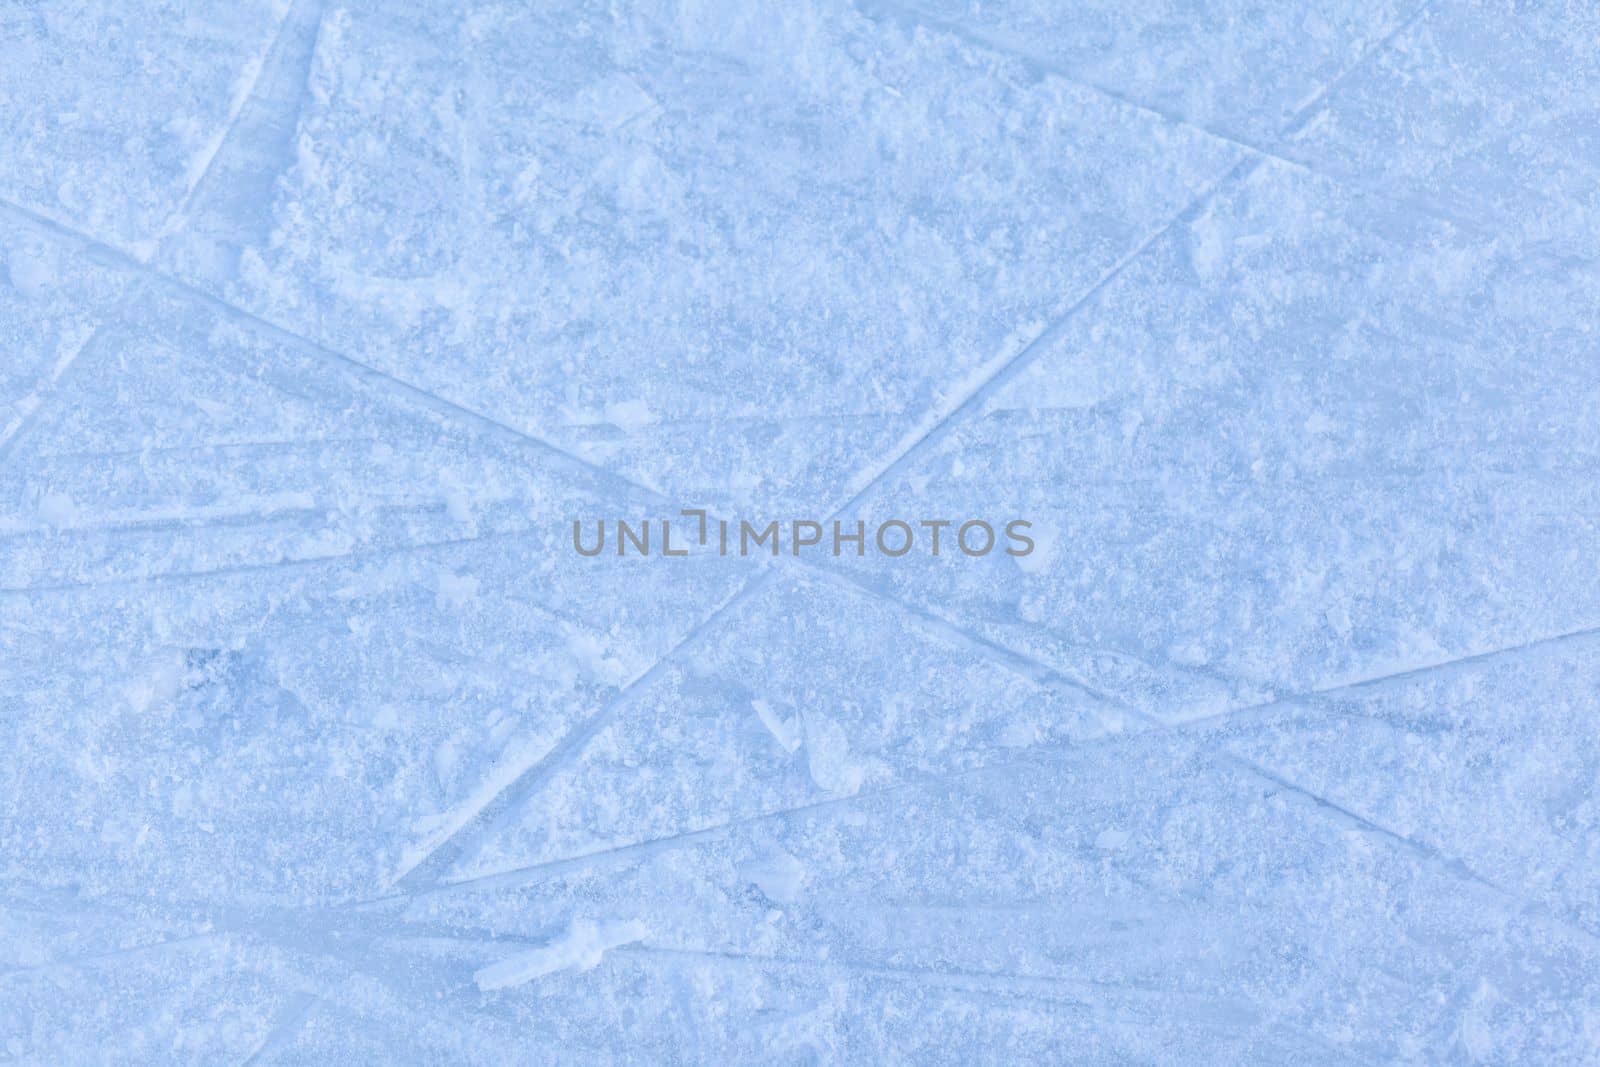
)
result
[(320, 324)]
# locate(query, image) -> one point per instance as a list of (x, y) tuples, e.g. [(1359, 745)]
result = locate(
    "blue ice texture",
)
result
[(323, 321)]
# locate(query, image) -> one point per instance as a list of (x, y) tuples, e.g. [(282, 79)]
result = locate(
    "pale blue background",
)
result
[(320, 323)]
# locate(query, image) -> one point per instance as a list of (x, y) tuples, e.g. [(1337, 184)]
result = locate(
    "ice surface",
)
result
[(728, 255), (1240, 70), (1304, 439), (115, 112), (321, 322)]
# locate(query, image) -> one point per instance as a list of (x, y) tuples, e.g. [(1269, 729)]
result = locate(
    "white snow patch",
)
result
[(784, 730), (594, 659), (1477, 1029), (58, 509), (629, 415), (456, 590), (776, 873), (828, 756), (584, 946), (1111, 839), (1046, 546), (457, 504), (1019, 734), (32, 270), (160, 685)]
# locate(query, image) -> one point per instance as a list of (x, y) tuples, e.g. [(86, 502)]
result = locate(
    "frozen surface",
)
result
[(320, 323)]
